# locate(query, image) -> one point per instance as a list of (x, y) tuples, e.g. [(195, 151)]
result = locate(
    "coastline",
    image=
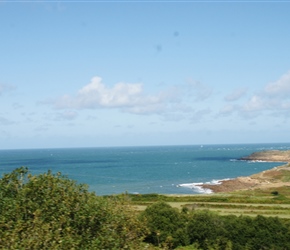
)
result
[(271, 178)]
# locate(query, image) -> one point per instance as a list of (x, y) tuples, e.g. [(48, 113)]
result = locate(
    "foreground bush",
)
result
[(167, 226), (202, 229), (49, 211)]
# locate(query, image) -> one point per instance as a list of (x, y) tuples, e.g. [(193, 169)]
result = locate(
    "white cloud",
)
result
[(128, 97), (274, 97), (272, 100), (286, 105), (236, 95), (280, 88), (96, 94), (228, 109), (256, 103), (198, 90), (178, 102)]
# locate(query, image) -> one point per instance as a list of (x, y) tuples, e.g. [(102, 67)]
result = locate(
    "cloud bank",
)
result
[(128, 97), (236, 95), (273, 98), (192, 100)]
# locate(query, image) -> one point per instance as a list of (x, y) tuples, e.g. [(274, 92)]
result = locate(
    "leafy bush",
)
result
[(167, 225), (49, 211), (203, 229), (207, 229)]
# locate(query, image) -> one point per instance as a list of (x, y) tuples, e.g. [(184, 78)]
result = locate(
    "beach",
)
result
[(272, 178)]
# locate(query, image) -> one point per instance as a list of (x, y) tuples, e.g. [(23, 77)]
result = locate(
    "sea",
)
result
[(143, 169)]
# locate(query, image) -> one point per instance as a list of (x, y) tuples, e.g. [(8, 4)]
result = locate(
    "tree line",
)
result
[(50, 211)]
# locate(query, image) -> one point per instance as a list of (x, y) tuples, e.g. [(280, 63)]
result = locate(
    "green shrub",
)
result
[(167, 225), (49, 211), (207, 229)]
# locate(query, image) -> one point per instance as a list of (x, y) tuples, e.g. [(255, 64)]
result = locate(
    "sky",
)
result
[(140, 73)]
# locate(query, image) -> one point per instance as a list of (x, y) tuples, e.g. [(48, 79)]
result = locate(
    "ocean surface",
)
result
[(155, 169)]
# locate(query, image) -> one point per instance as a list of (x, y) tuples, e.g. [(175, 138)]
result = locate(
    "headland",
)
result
[(275, 177)]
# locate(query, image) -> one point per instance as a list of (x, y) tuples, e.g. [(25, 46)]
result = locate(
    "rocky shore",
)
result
[(265, 179), (272, 156)]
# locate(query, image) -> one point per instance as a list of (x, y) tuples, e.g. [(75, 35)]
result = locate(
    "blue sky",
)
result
[(131, 73)]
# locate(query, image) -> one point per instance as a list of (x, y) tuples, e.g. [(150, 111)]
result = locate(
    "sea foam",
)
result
[(196, 187)]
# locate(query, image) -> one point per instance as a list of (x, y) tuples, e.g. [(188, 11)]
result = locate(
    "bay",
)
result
[(148, 169)]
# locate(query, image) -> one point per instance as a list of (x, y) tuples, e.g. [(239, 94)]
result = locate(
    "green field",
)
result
[(267, 202)]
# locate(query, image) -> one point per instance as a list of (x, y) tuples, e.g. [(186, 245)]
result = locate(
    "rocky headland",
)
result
[(266, 179), (271, 156)]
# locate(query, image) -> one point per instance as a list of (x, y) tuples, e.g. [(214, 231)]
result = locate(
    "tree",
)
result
[(166, 225), (207, 229), (50, 211)]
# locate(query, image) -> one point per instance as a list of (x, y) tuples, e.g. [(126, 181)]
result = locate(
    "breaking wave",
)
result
[(198, 186)]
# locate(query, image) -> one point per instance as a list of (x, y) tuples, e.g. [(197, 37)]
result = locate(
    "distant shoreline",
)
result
[(269, 156), (265, 179)]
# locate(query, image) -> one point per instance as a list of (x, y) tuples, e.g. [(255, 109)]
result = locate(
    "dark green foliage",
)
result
[(269, 233), (275, 193), (167, 225), (211, 230), (207, 229), (52, 212), (239, 230), (202, 229)]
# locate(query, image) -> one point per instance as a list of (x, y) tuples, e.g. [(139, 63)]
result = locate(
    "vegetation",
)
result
[(208, 230), (50, 211), (166, 225)]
